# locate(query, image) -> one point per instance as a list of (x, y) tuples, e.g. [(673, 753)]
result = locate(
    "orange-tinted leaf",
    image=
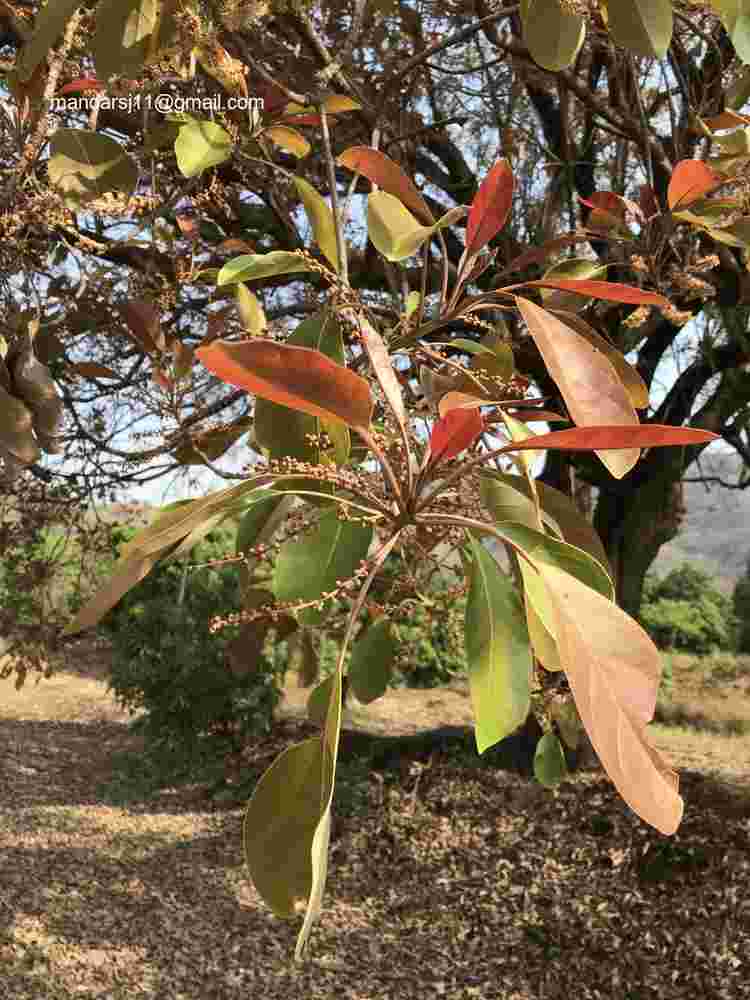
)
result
[(727, 119), (297, 377), (615, 437), (613, 670), (388, 175), (606, 201), (83, 84), (610, 291), (690, 180), (586, 378), (454, 432), (490, 207)]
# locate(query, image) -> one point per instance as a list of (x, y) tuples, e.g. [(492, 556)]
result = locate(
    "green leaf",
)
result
[(252, 266), (575, 268), (549, 761), (321, 220), (393, 229), (312, 563), (123, 36), (372, 662), (320, 697), (497, 651), (509, 500), (251, 311), (200, 145), (84, 165), (553, 34), (48, 26), (642, 26)]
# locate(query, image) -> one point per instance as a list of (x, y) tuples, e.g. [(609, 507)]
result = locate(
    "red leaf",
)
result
[(690, 180), (78, 86), (454, 432), (299, 120), (490, 207), (388, 175), (297, 377), (611, 291), (614, 437)]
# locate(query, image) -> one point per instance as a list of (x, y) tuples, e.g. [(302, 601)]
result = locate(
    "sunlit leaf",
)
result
[(251, 311), (321, 220), (393, 229), (200, 145), (553, 32), (497, 651), (288, 139), (252, 266), (614, 437), (586, 378), (339, 104)]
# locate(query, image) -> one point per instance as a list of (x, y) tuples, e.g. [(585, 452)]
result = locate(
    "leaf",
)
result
[(574, 269), (642, 26), (560, 512), (497, 651), (319, 699), (339, 104), (144, 322), (311, 563), (372, 662), (123, 36), (49, 24), (16, 435), (455, 432), (690, 180), (303, 657), (84, 165), (297, 377), (92, 369), (634, 385), (321, 220), (586, 378), (610, 291), (614, 669), (490, 207), (288, 139), (388, 175), (549, 761), (377, 352), (552, 33), (252, 266), (592, 438), (200, 145), (393, 229), (251, 311), (568, 722)]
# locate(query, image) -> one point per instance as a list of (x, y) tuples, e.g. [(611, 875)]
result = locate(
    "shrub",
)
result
[(685, 611), (741, 609), (167, 663)]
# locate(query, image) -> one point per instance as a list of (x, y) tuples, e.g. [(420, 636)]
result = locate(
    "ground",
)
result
[(446, 878)]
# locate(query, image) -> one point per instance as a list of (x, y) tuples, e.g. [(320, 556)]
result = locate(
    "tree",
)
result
[(685, 611), (139, 313)]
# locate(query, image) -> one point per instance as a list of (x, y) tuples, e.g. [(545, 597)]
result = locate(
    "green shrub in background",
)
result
[(684, 611), (166, 662)]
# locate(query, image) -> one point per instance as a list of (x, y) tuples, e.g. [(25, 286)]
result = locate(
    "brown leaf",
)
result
[(388, 175), (610, 291), (297, 377), (587, 380), (144, 321), (92, 369), (377, 352)]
